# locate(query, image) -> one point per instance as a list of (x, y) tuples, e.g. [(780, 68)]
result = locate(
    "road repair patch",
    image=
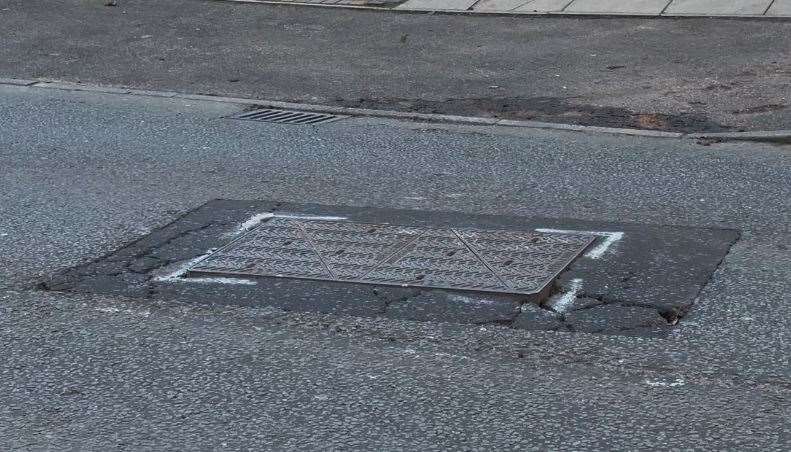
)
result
[(522, 272)]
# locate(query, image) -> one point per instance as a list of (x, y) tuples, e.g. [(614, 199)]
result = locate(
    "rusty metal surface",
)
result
[(518, 262)]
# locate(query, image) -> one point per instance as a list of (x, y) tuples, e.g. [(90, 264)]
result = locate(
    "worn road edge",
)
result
[(773, 136)]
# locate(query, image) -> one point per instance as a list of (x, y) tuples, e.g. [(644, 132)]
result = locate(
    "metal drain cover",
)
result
[(464, 259), (287, 116)]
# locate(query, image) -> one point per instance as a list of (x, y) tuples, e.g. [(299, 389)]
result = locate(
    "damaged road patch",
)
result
[(545, 109), (521, 272)]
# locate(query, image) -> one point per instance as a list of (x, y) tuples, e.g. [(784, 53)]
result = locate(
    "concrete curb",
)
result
[(774, 136), (557, 14)]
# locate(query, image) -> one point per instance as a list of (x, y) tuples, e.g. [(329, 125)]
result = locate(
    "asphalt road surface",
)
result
[(688, 75), (83, 174)]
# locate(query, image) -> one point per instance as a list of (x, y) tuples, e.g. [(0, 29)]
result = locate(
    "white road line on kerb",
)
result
[(300, 216), (665, 384), (181, 270), (112, 310), (562, 302), (471, 300), (256, 219), (217, 280), (253, 221), (178, 274), (597, 252)]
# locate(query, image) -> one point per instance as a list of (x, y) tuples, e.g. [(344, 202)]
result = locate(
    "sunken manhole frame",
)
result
[(680, 259), (553, 253)]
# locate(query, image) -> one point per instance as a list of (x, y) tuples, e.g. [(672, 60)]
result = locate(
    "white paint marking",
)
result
[(597, 252), (3, 234), (561, 302), (256, 219), (216, 280), (176, 275), (470, 300), (252, 222), (111, 310), (665, 384), (300, 216)]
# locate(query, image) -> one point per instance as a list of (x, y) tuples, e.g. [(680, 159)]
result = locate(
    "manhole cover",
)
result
[(466, 259)]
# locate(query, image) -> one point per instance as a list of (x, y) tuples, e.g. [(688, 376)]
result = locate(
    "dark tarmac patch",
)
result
[(637, 283), (545, 109), (768, 108)]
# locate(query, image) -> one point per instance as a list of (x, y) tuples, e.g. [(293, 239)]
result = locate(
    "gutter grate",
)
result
[(287, 116)]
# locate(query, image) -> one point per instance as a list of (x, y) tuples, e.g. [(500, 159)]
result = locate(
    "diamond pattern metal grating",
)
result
[(463, 259)]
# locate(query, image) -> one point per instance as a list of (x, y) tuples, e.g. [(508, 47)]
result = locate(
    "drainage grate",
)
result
[(287, 116), (467, 259)]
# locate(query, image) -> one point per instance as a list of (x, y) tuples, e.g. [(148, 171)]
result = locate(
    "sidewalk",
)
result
[(684, 76), (769, 8), (727, 8)]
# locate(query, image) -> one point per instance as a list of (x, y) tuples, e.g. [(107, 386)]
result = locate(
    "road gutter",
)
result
[(771, 136)]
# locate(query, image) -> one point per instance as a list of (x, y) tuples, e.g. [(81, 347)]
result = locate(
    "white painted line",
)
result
[(610, 239), (471, 300), (218, 280), (561, 302), (300, 216), (256, 219), (253, 222), (111, 310), (177, 275), (665, 384)]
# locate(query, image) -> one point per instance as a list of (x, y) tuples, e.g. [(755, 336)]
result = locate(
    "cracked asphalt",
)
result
[(639, 286), (83, 174), (686, 75)]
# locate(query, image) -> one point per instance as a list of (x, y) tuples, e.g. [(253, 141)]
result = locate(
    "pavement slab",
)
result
[(618, 6), (542, 6), (439, 5), (731, 8), (498, 5), (780, 8), (757, 7)]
